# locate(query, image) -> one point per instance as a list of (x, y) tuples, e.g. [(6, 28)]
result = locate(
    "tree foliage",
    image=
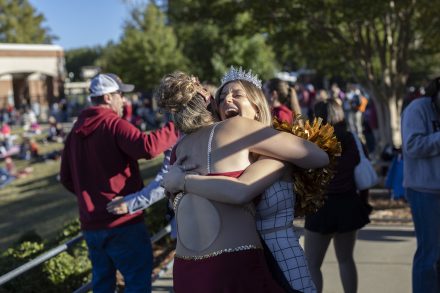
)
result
[(147, 51), (379, 44), (20, 23), (216, 35), (77, 58)]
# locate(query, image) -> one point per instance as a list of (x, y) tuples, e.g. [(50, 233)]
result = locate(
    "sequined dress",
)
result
[(275, 214)]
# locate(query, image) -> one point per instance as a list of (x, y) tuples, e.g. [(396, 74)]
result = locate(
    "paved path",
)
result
[(383, 256)]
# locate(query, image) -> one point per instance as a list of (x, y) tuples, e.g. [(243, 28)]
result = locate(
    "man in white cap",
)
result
[(99, 162)]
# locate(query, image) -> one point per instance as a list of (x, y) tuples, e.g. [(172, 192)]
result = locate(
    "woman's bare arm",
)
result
[(260, 139), (239, 134), (254, 180)]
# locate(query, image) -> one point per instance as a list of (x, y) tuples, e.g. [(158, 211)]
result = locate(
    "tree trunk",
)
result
[(388, 118), (395, 106), (383, 120)]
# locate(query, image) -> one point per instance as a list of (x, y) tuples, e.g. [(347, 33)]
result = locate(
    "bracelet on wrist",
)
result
[(180, 195), (177, 200)]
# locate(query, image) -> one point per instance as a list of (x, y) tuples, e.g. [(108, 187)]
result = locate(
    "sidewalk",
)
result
[(383, 255)]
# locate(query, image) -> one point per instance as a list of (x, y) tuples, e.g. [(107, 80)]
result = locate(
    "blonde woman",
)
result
[(209, 227)]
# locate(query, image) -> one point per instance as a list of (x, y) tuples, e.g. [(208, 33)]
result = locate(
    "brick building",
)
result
[(31, 74)]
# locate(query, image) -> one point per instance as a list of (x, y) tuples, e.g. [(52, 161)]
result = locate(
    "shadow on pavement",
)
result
[(376, 234), (385, 235)]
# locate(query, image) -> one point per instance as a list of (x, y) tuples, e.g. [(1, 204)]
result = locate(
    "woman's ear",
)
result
[(257, 116)]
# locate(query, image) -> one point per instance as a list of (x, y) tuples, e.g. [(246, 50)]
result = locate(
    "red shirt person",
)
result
[(279, 94), (99, 162)]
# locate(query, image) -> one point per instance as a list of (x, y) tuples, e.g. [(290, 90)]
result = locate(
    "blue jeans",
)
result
[(425, 209), (127, 249)]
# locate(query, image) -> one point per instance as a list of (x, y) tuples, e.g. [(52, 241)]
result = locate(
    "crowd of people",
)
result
[(228, 179), (25, 143)]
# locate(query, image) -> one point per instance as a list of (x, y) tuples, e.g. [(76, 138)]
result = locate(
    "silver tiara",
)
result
[(240, 74)]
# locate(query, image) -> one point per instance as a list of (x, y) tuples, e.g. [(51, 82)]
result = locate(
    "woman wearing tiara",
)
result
[(275, 209), (218, 248)]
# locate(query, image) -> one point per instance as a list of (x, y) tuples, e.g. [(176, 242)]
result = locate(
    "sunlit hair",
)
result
[(330, 111), (255, 96), (179, 94)]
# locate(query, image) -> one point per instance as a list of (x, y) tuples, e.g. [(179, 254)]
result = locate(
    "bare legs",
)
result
[(316, 245)]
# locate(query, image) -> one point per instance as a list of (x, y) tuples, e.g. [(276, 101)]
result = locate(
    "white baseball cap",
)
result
[(108, 83)]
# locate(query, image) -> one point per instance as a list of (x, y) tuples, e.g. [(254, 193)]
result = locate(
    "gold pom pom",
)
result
[(310, 184)]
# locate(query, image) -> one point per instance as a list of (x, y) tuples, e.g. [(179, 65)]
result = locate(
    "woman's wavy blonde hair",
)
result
[(180, 94)]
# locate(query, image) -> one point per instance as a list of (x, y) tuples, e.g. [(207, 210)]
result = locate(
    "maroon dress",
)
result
[(230, 272)]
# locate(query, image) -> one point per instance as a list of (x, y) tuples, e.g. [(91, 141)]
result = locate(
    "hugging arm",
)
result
[(139, 200), (284, 146), (143, 198), (254, 180)]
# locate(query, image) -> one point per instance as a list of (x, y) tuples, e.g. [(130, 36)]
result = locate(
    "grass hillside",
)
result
[(39, 203)]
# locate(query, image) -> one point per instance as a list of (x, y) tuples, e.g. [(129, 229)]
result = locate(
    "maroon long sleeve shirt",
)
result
[(99, 162)]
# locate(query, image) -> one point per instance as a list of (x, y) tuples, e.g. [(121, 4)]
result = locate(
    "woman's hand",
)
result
[(174, 180), (117, 206)]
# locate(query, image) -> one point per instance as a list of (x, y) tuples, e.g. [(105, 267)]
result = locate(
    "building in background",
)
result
[(31, 76)]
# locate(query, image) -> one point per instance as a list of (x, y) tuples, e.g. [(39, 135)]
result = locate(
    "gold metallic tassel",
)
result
[(310, 184)]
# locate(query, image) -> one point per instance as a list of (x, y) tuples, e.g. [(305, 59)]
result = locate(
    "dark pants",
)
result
[(425, 209), (127, 249)]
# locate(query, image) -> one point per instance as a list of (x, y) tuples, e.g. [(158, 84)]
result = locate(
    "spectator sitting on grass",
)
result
[(56, 133), (29, 149), (7, 146)]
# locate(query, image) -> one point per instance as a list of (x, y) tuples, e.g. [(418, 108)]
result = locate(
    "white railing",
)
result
[(63, 247)]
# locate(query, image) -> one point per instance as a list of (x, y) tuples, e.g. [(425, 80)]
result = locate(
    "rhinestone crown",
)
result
[(240, 74)]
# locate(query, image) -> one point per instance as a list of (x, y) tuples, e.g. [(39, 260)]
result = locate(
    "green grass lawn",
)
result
[(40, 203)]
